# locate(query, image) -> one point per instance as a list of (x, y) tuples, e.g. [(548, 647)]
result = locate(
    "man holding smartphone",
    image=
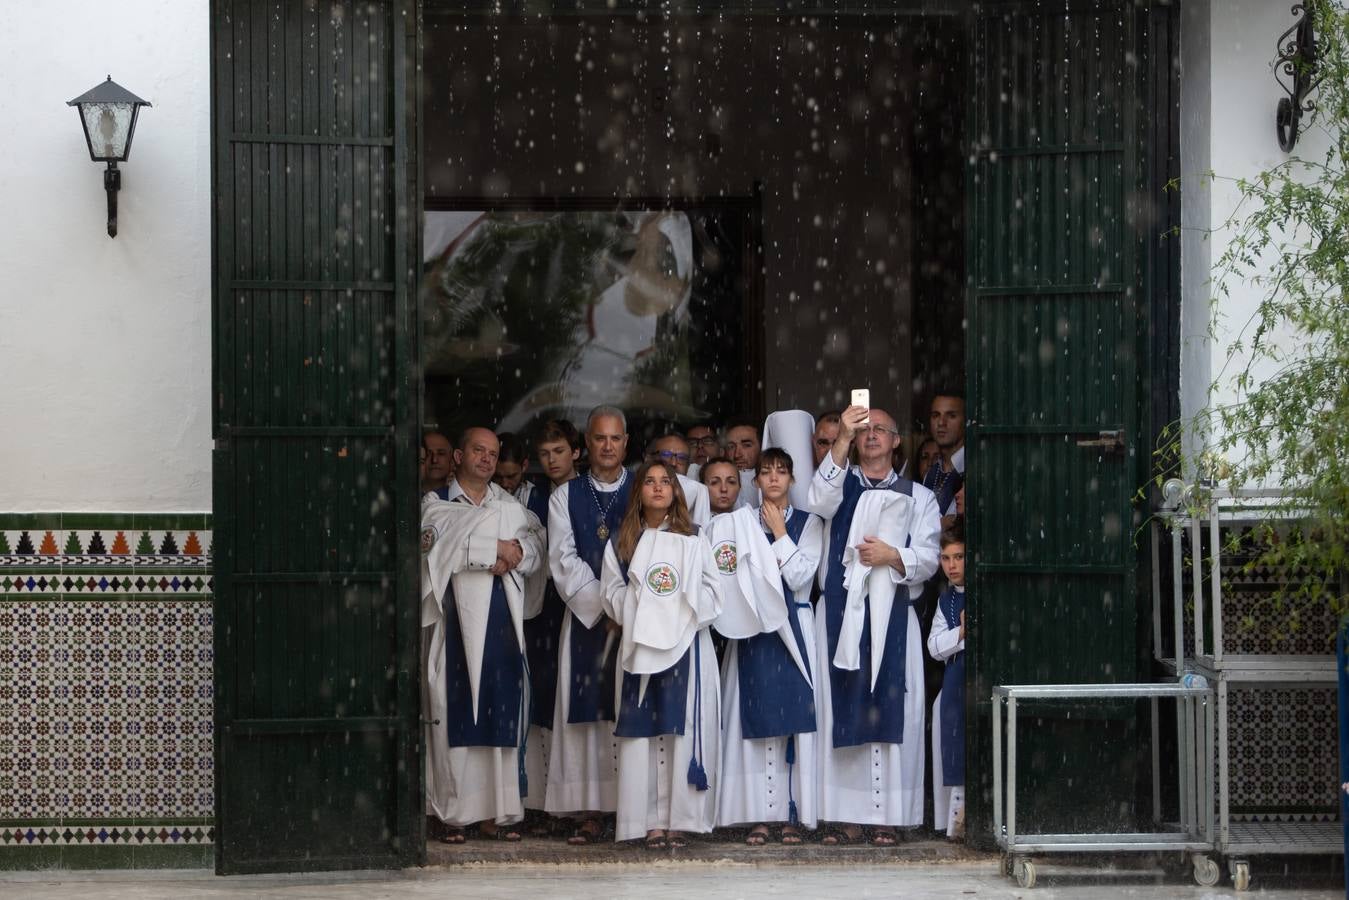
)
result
[(882, 532)]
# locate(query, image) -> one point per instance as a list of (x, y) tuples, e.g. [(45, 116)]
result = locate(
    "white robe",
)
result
[(695, 496), (653, 788), (754, 773), (877, 783), (470, 784), (582, 758), (948, 801)]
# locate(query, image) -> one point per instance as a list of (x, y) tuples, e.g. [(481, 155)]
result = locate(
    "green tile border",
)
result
[(56, 521), (28, 859), (199, 821)]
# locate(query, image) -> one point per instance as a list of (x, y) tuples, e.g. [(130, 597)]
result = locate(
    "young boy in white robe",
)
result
[(769, 679), (946, 642), (660, 587)]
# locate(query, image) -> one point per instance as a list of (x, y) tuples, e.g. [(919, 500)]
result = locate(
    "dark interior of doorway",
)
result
[(852, 125)]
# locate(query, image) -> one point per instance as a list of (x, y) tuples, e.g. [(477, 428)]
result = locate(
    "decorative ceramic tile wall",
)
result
[(105, 680)]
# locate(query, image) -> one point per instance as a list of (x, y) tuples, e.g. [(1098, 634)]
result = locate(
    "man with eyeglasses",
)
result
[(703, 445), (673, 450), (881, 531), (826, 431)]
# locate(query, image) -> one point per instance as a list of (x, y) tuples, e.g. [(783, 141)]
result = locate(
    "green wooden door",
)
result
[(1053, 396), (315, 221)]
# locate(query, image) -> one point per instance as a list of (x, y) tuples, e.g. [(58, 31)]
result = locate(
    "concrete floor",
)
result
[(650, 880)]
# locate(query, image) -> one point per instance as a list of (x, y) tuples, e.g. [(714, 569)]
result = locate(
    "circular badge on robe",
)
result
[(428, 539), (662, 579), (724, 554)]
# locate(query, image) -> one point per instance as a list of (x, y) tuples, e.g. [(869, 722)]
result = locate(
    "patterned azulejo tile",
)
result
[(105, 682)]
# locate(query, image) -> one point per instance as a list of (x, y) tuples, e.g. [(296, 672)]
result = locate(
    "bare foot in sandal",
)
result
[(758, 836), (655, 839), (843, 834), (884, 837), (493, 831), (791, 835), (588, 832)]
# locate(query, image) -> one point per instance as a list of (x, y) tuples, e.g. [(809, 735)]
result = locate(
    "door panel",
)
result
[(317, 735), (1053, 396)]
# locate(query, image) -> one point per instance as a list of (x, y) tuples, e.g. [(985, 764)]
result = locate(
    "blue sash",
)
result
[(541, 636), (950, 605), (501, 690), (775, 698), (862, 716), (944, 484), (591, 691)]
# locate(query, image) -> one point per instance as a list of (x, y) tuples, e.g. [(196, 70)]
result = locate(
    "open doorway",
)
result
[(798, 180), (826, 150)]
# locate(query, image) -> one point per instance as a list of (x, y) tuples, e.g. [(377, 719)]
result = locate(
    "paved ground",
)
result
[(649, 879)]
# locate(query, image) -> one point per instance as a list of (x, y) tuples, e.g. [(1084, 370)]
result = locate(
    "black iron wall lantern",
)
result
[(108, 114), (1295, 70)]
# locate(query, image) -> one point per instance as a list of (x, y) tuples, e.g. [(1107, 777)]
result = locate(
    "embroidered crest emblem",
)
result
[(428, 539), (662, 579), (724, 554)]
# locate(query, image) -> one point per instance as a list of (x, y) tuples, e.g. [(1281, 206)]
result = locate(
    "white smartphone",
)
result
[(862, 397)]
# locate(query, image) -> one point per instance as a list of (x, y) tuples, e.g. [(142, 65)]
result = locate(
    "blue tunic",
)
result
[(862, 716), (775, 698), (950, 605), (541, 636), (944, 484), (591, 691), (501, 690)]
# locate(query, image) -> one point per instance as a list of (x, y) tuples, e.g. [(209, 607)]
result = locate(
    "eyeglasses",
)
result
[(708, 441), (878, 429), (671, 456)]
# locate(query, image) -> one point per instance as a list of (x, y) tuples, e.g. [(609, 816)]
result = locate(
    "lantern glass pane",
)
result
[(107, 125)]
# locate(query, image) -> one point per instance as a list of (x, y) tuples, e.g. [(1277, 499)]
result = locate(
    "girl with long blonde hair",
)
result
[(659, 585)]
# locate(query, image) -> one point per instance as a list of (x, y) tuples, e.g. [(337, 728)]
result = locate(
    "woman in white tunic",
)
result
[(659, 586), (768, 725)]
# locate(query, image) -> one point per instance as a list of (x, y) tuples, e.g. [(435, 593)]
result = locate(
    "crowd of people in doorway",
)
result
[(756, 629)]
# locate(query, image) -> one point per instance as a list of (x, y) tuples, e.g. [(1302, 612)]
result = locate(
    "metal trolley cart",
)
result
[(1269, 689), (1195, 744)]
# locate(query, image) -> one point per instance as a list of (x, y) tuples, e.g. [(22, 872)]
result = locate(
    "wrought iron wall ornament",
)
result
[(1295, 69)]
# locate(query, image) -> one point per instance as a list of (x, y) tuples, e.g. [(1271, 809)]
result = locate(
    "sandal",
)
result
[(452, 835), (758, 836), (791, 835), (884, 837), (655, 840), (588, 832), (677, 839), (842, 836), (498, 833)]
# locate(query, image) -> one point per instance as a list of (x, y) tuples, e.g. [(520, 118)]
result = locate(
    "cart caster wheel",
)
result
[(1241, 875), (1024, 870), (1206, 871)]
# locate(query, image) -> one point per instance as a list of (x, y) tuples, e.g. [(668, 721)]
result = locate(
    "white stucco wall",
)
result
[(1228, 96), (105, 344)]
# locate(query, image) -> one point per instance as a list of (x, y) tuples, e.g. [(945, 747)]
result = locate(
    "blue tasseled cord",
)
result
[(697, 774), (793, 817)]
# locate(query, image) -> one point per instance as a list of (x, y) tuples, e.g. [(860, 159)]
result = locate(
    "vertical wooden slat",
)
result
[(310, 445)]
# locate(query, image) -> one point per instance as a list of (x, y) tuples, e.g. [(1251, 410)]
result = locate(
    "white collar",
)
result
[(888, 480), (455, 491), (607, 486), (958, 460)]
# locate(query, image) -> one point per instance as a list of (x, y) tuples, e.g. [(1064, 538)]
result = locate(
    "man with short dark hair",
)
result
[(473, 535), (439, 461), (946, 424), (703, 445), (742, 446), (826, 431)]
